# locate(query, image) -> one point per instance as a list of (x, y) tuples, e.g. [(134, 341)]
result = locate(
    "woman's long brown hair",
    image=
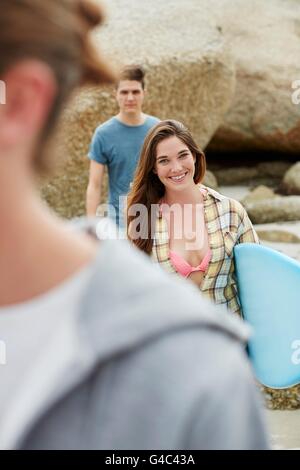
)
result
[(147, 189)]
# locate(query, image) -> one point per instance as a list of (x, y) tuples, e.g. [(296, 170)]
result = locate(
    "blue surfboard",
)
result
[(269, 290)]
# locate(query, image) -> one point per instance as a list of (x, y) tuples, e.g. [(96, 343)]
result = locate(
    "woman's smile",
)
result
[(178, 178)]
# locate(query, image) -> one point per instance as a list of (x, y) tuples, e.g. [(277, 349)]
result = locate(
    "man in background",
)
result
[(117, 144)]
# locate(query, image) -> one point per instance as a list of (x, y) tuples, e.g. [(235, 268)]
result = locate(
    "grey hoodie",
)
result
[(147, 364)]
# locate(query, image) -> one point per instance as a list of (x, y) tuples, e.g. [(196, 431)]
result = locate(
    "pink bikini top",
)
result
[(184, 268)]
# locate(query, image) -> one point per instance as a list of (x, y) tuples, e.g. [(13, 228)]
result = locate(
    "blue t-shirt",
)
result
[(118, 146)]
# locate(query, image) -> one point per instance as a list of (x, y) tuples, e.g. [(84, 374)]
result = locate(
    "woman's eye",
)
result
[(164, 161), (183, 156)]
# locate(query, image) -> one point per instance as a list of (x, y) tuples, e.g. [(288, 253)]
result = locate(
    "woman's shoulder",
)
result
[(226, 202), (207, 191)]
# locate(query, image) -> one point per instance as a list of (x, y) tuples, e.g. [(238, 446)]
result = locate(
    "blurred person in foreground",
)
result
[(104, 351)]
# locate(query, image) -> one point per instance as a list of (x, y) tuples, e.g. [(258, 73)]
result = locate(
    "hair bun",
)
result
[(89, 12)]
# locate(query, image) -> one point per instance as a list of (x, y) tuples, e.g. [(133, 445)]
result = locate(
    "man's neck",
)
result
[(132, 119), (37, 252)]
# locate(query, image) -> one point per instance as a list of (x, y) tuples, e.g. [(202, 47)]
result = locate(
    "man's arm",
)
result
[(93, 194)]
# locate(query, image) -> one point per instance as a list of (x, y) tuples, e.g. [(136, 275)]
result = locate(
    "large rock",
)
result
[(280, 232), (277, 209), (259, 194), (270, 172), (291, 180), (190, 77), (265, 42)]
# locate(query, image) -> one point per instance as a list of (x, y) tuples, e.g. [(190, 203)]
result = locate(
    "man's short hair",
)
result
[(133, 72)]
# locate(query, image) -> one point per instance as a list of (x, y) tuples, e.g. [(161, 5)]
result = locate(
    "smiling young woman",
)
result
[(190, 229)]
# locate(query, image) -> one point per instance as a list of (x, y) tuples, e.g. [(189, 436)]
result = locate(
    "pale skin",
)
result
[(37, 251), (130, 97), (175, 167)]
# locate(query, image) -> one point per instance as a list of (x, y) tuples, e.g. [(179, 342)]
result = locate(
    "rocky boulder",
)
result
[(269, 172), (190, 77), (291, 180), (280, 232), (264, 39), (259, 194), (277, 209)]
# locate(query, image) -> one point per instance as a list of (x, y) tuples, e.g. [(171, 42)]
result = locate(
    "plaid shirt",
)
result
[(227, 225)]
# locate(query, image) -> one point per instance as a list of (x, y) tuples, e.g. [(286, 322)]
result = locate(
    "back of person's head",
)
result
[(55, 33), (133, 73)]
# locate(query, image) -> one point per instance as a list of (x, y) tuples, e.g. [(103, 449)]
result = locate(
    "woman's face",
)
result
[(175, 164)]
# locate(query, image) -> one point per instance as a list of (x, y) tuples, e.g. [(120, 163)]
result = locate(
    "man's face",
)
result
[(130, 96)]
